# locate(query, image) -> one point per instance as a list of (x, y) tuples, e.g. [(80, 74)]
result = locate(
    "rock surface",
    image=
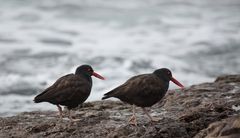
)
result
[(205, 110)]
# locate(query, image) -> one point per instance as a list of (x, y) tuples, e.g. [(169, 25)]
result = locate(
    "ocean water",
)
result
[(42, 40)]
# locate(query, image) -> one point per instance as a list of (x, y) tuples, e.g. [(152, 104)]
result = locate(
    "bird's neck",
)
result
[(166, 85), (164, 80), (87, 77)]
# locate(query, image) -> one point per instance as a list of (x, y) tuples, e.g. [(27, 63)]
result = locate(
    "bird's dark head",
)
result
[(166, 75), (88, 71)]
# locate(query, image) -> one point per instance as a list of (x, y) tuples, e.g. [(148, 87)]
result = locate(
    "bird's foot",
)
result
[(132, 120), (60, 116), (153, 119), (75, 120)]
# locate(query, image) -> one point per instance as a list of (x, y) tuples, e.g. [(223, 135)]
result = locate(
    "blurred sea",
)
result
[(41, 40)]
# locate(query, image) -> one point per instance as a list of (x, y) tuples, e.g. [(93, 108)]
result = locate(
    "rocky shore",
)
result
[(204, 110)]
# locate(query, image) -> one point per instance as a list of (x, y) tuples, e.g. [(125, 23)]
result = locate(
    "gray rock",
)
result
[(204, 110)]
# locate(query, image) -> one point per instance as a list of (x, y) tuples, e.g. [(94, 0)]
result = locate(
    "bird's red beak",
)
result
[(98, 76), (176, 82)]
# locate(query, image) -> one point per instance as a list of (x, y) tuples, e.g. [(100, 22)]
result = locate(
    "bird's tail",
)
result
[(105, 97), (37, 99), (112, 93)]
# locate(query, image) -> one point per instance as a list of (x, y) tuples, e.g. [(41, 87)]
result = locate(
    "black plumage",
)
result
[(144, 90), (69, 90)]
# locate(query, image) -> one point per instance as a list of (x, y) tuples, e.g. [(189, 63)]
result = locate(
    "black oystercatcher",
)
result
[(144, 90), (69, 90)]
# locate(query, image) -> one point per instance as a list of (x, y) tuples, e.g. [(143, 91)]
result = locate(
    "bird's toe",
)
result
[(132, 120), (154, 119)]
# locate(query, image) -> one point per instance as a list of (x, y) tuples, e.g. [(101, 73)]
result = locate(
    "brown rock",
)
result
[(227, 128)]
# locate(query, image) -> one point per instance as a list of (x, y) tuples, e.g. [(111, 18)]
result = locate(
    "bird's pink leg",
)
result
[(149, 116), (133, 120), (60, 111), (70, 117)]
